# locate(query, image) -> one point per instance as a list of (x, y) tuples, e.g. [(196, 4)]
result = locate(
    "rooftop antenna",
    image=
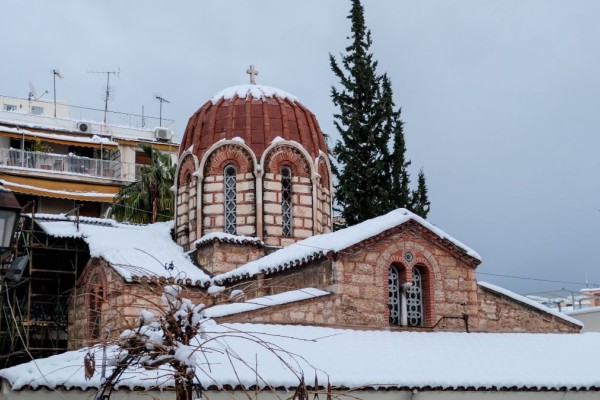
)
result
[(55, 73), (109, 91), (161, 101)]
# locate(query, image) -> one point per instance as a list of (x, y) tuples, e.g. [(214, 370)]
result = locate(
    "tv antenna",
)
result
[(55, 74), (161, 100), (108, 93), (33, 95)]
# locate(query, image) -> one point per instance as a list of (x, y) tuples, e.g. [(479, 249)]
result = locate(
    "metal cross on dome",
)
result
[(252, 72)]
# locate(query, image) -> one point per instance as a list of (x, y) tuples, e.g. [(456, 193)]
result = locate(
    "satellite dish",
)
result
[(32, 92), (33, 95)]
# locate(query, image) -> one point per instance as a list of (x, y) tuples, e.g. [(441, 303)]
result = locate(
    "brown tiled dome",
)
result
[(257, 114)]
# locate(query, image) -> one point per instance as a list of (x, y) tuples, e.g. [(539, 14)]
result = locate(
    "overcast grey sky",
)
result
[(500, 99)]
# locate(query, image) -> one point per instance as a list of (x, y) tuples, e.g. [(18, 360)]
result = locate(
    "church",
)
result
[(253, 240)]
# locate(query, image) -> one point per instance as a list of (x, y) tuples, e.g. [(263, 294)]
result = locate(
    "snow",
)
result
[(228, 238), (352, 359), (258, 303), (69, 138), (255, 91), (529, 302), (134, 251), (106, 196), (587, 310), (320, 245)]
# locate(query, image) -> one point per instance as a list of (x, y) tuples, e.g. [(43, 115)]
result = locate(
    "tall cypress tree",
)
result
[(419, 203), (371, 180)]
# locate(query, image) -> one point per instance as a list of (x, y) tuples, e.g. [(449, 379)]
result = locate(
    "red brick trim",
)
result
[(405, 269), (186, 170), (288, 156), (228, 154), (324, 173)]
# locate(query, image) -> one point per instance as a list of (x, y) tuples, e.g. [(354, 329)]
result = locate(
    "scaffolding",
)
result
[(34, 313)]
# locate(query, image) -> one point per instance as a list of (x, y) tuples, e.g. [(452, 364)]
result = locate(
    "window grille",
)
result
[(230, 199), (413, 299), (286, 201), (394, 296)]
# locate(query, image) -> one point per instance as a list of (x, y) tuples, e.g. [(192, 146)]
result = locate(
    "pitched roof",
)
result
[(317, 247), (355, 359), (529, 302), (134, 251)]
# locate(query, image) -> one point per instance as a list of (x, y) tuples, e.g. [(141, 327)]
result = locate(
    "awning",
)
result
[(81, 191), (69, 140)]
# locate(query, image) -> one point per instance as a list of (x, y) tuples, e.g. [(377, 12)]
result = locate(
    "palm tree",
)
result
[(149, 199)]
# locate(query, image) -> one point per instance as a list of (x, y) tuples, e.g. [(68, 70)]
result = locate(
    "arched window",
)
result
[(230, 199), (96, 298), (286, 201), (405, 300)]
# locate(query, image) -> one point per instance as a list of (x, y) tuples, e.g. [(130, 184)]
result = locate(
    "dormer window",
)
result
[(230, 199), (286, 201)]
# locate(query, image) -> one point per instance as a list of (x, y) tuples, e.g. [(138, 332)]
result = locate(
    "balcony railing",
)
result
[(68, 164)]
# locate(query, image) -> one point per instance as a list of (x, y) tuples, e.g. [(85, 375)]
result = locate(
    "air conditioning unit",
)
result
[(163, 133), (83, 126)]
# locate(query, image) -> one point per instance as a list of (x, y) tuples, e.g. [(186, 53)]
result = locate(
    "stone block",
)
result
[(306, 200), (269, 197), (213, 209), (271, 208), (213, 187)]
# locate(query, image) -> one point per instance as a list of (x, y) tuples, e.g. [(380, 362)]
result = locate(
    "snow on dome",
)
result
[(255, 91)]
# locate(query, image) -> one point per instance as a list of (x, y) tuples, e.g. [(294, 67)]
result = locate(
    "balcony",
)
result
[(68, 164)]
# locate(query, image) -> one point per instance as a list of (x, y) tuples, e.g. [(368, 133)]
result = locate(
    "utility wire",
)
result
[(539, 279)]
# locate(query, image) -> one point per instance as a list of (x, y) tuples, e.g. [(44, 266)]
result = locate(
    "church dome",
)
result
[(255, 114)]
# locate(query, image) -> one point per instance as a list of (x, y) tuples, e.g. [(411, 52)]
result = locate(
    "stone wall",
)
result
[(500, 313), (302, 216), (186, 202), (120, 304), (217, 257)]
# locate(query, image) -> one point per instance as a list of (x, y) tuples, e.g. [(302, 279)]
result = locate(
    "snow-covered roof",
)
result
[(258, 303), (586, 310), (227, 238), (530, 302), (70, 138), (318, 246), (255, 91), (134, 251), (354, 359), (97, 196)]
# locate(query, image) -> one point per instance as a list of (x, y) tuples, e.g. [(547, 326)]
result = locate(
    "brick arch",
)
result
[(424, 260), (324, 173), (228, 154), (186, 170), (288, 156), (96, 297)]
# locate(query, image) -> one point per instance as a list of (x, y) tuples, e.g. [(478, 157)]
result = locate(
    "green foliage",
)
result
[(149, 199), (419, 203), (371, 170)]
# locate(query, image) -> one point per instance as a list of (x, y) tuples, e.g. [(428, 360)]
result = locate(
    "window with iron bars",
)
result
[(230, 199), (286, 201)]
